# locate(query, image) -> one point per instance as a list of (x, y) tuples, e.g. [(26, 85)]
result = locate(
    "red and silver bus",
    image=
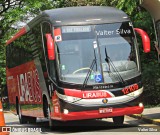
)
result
[(75, 63)]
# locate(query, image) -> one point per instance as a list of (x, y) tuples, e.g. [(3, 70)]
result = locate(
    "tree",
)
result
[(12, 11), (8, 4)]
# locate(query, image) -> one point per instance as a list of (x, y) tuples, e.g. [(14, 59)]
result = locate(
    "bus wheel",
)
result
[(22, 119), (47, 112), (118, 120)]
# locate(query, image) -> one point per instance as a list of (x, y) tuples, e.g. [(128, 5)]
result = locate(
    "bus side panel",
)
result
[(26, 69), (23, 82)]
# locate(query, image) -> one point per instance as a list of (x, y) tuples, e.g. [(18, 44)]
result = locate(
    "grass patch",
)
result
[(151, 106)]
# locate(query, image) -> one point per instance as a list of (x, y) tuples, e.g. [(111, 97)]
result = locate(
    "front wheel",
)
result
[(47, 112), (118, 120)]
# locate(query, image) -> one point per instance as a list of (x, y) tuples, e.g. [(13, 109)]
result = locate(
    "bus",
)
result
[(153, 7), (67, 64)]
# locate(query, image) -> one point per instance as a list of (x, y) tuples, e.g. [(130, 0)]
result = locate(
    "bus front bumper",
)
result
[(94, 114)]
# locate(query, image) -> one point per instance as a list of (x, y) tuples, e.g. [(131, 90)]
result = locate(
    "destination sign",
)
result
[(76, 29), (113, 32), (123, 29), (115, 29)]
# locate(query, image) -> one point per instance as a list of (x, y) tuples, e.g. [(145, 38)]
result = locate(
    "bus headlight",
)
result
[(71, 99), (136, 93), (140, 104), (65, 111), (68, 98)]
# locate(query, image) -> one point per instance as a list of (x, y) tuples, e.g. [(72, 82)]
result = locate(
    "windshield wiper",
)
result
[(110, 63), (88, 74), (90, 70)]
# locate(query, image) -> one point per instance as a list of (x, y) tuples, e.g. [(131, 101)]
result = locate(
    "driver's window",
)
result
[(69, 57)]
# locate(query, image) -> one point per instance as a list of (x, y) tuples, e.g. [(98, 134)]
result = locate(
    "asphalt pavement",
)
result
[(140, 123)]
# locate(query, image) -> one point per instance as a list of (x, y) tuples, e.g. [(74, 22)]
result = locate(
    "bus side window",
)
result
[(46, 28)]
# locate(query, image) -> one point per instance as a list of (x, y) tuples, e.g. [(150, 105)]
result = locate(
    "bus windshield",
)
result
[(78, 46)]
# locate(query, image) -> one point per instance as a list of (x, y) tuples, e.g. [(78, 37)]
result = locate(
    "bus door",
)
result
[(46, 28)]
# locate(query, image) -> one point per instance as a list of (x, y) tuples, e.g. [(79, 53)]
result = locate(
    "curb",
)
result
[(146, 119), (6, 111)]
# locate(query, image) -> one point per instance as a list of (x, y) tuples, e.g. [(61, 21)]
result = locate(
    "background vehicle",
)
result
[(66, 65)]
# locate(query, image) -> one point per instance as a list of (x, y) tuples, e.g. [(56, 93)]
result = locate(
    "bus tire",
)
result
[(22, 119), (47, 111), (118, 120), (45, 107)]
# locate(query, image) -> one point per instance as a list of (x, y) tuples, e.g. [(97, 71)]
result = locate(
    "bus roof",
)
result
[(85, 15), (75, 16)]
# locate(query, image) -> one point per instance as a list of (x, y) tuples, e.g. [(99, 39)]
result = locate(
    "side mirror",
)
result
[(50, 47), (145, 39)]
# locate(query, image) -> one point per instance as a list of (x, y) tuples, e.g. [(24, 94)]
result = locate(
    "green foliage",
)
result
[(128, 6), (70, 3), (6, 106), (10, 16)]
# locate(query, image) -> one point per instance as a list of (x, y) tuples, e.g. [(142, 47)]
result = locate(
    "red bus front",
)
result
[(98, 70)]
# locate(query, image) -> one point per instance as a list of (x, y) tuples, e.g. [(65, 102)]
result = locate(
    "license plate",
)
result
[(105, 110)]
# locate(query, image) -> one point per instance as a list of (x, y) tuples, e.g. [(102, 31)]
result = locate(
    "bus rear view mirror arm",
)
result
[(50, 47), (145, 39)]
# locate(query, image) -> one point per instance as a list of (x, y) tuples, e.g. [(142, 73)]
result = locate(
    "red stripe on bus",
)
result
[(17, 35)]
